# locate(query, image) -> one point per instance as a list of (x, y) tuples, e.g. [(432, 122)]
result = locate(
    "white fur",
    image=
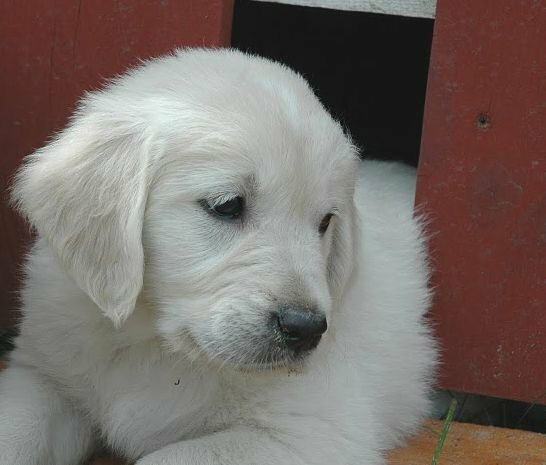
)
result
[(144, 316)]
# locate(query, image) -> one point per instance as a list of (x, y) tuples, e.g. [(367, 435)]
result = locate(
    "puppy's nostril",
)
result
[(302, 328)]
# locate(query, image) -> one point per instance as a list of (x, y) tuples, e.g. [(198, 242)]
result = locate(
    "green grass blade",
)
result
[(444, 432)]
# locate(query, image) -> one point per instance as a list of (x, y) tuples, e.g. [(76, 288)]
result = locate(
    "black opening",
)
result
[(369, 70)]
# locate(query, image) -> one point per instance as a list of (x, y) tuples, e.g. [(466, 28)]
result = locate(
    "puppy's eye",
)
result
[(231, 209), (323, 226)]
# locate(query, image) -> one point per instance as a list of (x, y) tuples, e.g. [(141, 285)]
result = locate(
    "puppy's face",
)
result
[(245, 232), (245, 208), (239, 242)]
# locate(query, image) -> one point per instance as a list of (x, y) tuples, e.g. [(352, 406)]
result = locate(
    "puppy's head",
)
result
[(216, 184)]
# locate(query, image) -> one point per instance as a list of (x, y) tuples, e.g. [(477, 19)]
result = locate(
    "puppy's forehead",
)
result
[(276, 140), (240, 115), (253, 94)]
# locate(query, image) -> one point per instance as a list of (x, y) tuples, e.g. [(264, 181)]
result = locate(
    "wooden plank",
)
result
[(412, 8), (54, 50), (468, 444), (482, 179)]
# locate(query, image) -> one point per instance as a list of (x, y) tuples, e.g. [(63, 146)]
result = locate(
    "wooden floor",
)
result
[(468, 444)]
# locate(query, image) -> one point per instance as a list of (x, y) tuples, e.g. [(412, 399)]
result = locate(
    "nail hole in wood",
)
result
[(483, 121)]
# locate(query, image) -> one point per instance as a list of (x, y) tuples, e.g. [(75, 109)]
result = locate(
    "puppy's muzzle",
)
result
[(301, 328)]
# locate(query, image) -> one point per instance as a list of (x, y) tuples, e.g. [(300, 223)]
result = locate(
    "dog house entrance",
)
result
[(370, 70)]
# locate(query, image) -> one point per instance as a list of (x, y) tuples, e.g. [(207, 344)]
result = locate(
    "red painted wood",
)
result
[(482, 178), (53, 50)]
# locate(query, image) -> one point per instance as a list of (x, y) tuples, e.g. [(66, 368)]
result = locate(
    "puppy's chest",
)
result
[(143, 408)]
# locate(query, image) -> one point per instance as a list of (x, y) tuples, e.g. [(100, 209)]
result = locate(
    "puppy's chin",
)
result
[(256, 357), (283, 360), (288, 365)]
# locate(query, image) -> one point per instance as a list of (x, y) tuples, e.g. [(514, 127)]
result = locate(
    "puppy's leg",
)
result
[(246, 446), (37, 426)]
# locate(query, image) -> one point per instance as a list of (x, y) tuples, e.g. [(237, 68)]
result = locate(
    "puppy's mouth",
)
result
[(252, 354), (278, 357)]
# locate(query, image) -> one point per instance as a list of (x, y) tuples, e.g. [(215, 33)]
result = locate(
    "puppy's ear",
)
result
[(85, 193)]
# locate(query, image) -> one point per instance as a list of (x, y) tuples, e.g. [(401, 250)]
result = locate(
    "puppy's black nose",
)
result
[(301, 327)]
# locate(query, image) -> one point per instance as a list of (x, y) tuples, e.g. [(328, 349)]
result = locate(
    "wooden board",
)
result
[(51, 52), (413, 8), (482, 179), (468, 444)]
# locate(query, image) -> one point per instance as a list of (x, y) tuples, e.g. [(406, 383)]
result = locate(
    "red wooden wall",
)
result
[(482, 175), (53, 50), (482, 178)]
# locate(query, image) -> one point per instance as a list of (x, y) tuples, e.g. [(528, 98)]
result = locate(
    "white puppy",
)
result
[(217, 279)]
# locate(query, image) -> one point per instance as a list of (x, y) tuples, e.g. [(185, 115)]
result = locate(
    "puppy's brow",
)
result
[(220, 194)]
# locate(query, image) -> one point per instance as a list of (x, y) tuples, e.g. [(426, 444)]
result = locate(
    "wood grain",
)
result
[(482, 183), (468, 444)]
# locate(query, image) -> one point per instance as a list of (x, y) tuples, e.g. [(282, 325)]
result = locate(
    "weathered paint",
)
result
[(482, 179), (52, 51)]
